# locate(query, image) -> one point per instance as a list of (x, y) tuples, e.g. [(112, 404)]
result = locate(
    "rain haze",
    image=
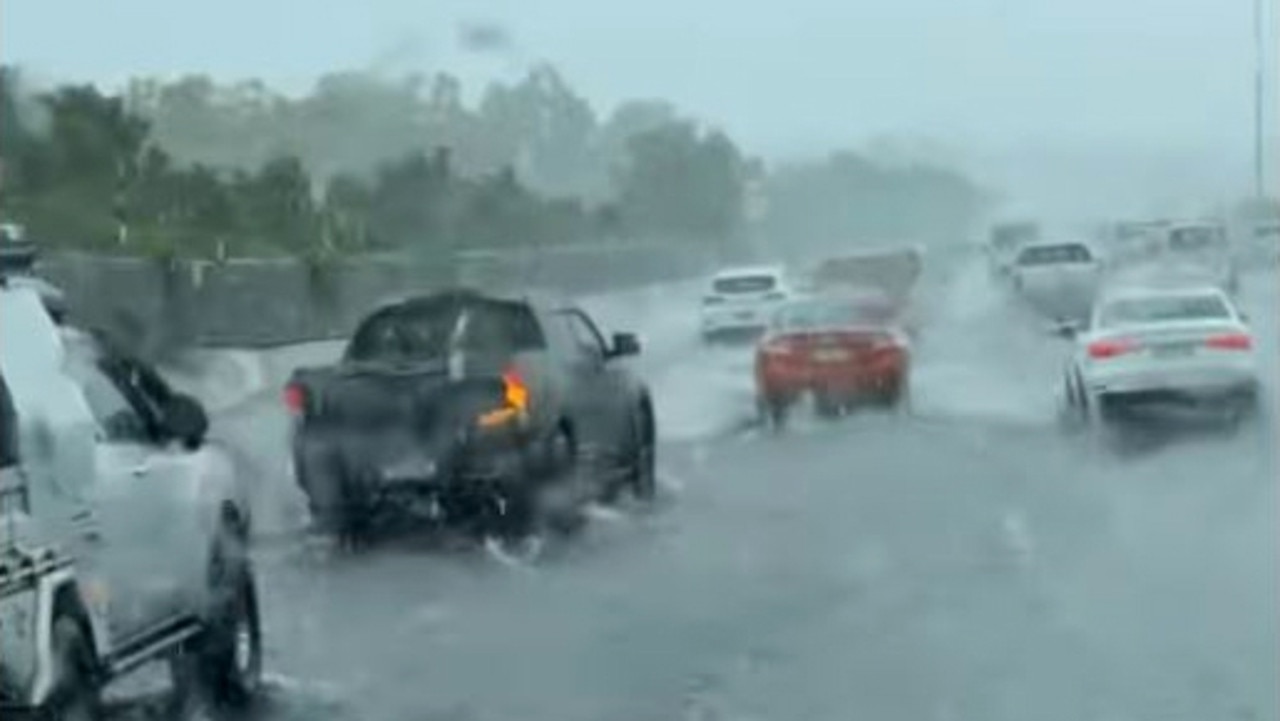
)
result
[(1134, 104), (573, 360)]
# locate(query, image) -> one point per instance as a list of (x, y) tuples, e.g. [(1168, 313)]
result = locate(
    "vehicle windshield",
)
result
[(1164, 309), (432, 329), (744, 284), (1054, 254)]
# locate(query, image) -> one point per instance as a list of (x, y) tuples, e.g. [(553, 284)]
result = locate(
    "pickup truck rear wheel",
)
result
[(520, 511), (643, 474), (76, 695), (355, 515)]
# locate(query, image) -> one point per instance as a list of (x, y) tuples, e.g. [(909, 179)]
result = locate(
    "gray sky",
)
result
[(994, 79)]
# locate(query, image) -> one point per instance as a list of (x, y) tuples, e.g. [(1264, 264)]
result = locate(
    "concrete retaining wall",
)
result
[(268, 302)]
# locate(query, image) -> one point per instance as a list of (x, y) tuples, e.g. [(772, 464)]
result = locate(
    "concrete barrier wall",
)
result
[(268, 302)]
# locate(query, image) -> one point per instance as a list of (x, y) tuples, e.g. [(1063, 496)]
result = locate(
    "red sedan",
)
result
[(836, 349)]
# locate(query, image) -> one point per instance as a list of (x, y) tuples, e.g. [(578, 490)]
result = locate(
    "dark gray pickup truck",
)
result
[(487, 412)]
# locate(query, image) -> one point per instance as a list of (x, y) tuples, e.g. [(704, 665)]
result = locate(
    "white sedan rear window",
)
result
[(1163, 309), (744, 284), (1193, 239), (1054, 254)]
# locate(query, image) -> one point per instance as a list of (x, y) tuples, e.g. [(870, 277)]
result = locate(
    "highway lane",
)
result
[(878, 568), (969, 562)]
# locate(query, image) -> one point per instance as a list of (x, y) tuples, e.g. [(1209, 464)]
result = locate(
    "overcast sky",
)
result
[(991, 77)]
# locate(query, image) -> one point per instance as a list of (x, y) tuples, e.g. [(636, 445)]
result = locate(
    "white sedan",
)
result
[(1060, 279), (1157, 349), (742, 300)]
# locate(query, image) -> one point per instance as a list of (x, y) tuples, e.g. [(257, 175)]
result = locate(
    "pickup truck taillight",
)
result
[(515, 401), (295, 399)]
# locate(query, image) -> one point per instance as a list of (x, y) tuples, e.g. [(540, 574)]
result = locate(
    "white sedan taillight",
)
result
[(1112, 348), (1230, 341)]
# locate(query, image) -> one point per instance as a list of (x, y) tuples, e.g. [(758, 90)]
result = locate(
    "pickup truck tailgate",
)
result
[(420, 399)]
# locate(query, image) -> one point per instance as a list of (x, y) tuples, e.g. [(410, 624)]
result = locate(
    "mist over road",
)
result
[(969, 561)]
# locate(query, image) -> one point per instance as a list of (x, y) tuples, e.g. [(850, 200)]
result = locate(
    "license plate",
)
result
[(830, 356), (413, 470), (1173, 350)]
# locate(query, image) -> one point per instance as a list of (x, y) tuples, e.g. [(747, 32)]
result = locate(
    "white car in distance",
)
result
[(1202, 249), (1060, 279), (1161, 350), (742, 300)]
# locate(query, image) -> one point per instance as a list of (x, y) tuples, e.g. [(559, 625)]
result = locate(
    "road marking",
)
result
[(597, 512), (674, 484), (524, 561), (1016, 535)]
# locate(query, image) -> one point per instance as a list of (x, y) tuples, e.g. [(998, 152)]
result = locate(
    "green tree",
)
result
[(679, 182), (847, 200), (277, 203)]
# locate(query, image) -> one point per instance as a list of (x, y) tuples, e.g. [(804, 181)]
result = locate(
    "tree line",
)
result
[(366, 163)]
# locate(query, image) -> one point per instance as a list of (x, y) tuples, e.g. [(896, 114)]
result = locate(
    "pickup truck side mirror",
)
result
[(1067, 329), (625, 344), (186, 420)]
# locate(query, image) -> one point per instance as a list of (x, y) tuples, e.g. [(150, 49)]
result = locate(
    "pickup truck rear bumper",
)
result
[(10, 712), (344, 474)]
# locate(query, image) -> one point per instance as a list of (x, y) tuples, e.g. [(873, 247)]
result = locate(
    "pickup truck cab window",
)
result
[(431, 329), (586, 337)]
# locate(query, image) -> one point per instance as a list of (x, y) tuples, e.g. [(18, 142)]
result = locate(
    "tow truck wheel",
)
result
[(222, 665), (76, 695)]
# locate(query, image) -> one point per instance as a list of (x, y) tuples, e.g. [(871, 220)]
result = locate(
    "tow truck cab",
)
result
[(109, 528), (46, 457)]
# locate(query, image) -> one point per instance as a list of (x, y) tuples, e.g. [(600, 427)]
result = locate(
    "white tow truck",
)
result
[(123, 532)]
